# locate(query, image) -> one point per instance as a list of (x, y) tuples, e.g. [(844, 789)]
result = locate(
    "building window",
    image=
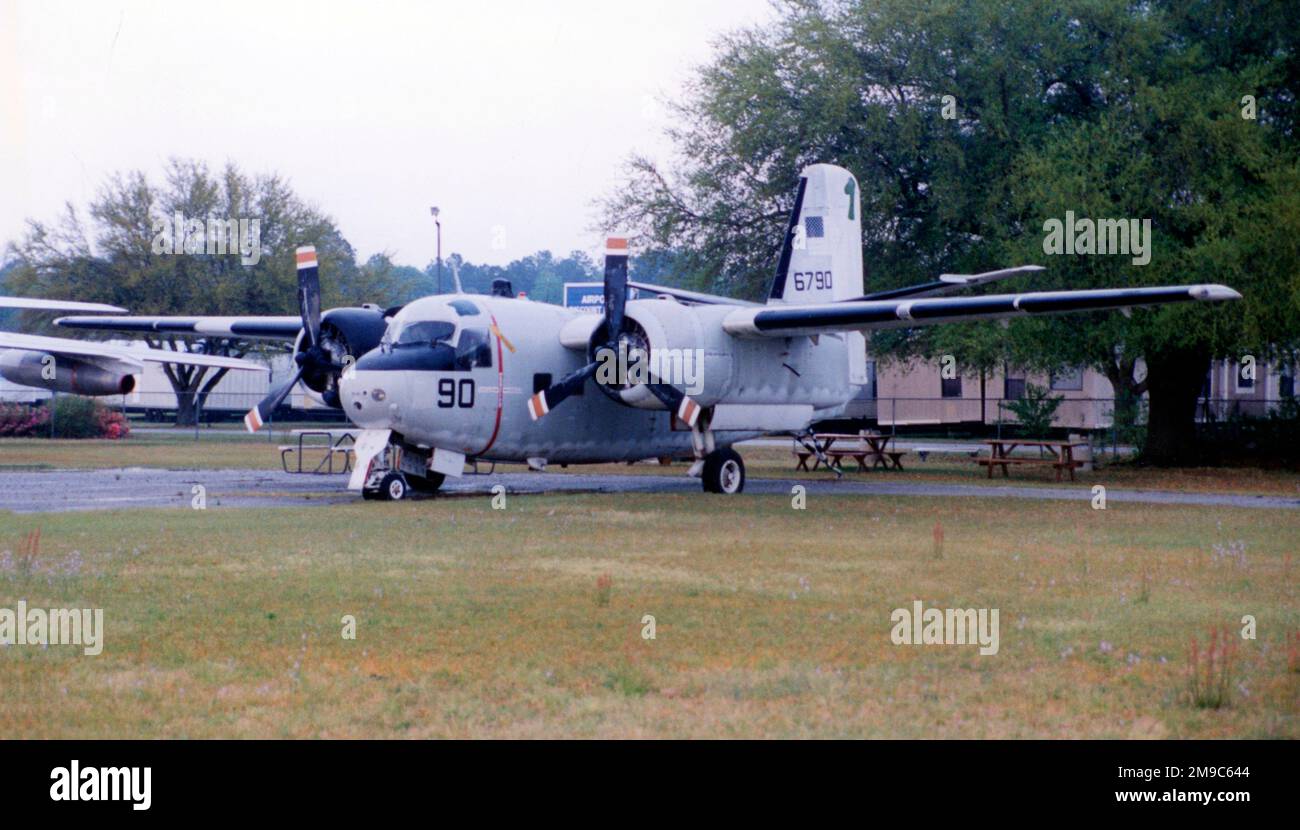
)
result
[(1013, 385), (950, 387), (1244, 384), (1286, 383), (1068, 380)]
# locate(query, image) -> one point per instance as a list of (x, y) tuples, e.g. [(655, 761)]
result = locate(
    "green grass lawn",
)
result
[(770, 621)]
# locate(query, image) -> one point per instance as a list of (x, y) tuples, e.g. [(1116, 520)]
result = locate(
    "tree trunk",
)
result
[(983, 405), (186, 412), (1174, 380)]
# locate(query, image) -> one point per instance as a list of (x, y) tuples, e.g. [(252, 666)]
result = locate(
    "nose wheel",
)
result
[(392, 487)]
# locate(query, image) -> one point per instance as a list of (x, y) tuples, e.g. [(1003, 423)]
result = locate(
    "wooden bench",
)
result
[(860, 456), (990, 463)]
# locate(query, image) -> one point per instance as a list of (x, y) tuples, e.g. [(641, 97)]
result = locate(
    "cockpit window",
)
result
[(425, 333), (474, 349), (464, 307)]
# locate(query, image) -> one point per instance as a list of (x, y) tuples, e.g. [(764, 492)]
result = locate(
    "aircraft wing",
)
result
[(254, 328), (57, 305), (865, 315), (126, 359)]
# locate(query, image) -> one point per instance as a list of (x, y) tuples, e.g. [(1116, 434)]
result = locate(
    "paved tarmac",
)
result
[(37, 491)]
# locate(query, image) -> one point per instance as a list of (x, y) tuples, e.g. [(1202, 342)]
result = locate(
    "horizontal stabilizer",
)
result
[(949, 284), (686, 296)]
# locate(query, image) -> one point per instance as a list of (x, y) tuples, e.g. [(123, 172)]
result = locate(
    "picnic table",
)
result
[(1059, 454), (326, 442), (865, 445)]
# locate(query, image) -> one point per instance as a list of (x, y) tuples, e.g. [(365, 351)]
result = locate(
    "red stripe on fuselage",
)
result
[(501, 388)]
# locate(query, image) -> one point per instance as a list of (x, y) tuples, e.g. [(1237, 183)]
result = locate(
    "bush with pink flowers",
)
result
[(74, 417)]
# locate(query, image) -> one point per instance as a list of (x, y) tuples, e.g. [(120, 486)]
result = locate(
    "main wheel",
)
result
[(426, 484), (393, 487), (724, 472)]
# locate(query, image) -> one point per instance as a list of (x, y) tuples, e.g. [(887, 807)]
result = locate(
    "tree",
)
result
[(540, 275), (128, 257), (1036, 410), (969, 125)]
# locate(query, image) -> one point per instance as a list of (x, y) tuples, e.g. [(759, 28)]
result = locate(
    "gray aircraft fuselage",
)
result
[(469, 392)]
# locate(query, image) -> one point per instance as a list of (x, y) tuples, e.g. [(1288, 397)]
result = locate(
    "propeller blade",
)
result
[(309, 293), (257, 415), (679, 403), (615, 284), (547, 399)]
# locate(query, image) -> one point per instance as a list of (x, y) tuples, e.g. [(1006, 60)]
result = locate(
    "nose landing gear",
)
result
[(392, 487), (395, 471)]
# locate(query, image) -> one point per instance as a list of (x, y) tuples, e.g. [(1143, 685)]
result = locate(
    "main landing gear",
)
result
[(720, 470), (724, 472)]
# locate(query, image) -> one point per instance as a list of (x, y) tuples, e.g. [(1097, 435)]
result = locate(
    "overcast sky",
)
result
[(510, 116)]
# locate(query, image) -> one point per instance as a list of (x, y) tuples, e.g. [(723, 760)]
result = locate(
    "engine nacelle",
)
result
[(680, 352), (62, 374), (347, 334), (717, 368)]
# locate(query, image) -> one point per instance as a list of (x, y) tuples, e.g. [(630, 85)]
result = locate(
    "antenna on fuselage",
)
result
[(455, 276)]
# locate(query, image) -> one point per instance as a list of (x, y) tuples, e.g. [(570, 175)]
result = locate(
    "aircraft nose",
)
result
[(368, 396)]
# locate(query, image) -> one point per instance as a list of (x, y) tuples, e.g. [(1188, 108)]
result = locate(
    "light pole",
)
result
[(434, 211)]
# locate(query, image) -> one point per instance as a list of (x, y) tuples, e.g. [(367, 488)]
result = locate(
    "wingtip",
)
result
[(1215, 293)]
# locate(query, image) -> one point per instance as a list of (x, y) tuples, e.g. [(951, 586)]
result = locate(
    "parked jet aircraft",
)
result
[(82, 366), (454, 377)]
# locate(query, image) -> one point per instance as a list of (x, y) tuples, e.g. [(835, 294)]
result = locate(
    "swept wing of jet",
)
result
[(36, 304), (84, 366), (252, 328)]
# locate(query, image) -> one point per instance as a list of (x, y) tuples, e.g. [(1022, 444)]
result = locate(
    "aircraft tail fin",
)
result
[(821, 257)]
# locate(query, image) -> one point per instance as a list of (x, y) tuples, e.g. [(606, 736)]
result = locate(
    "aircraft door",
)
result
[(472, 388)]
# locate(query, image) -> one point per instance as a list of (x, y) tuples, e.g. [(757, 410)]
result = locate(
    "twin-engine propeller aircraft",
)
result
[(458, 377), (84, 367)]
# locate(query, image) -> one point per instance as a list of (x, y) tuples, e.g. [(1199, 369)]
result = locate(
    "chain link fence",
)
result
[(223, 412)]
